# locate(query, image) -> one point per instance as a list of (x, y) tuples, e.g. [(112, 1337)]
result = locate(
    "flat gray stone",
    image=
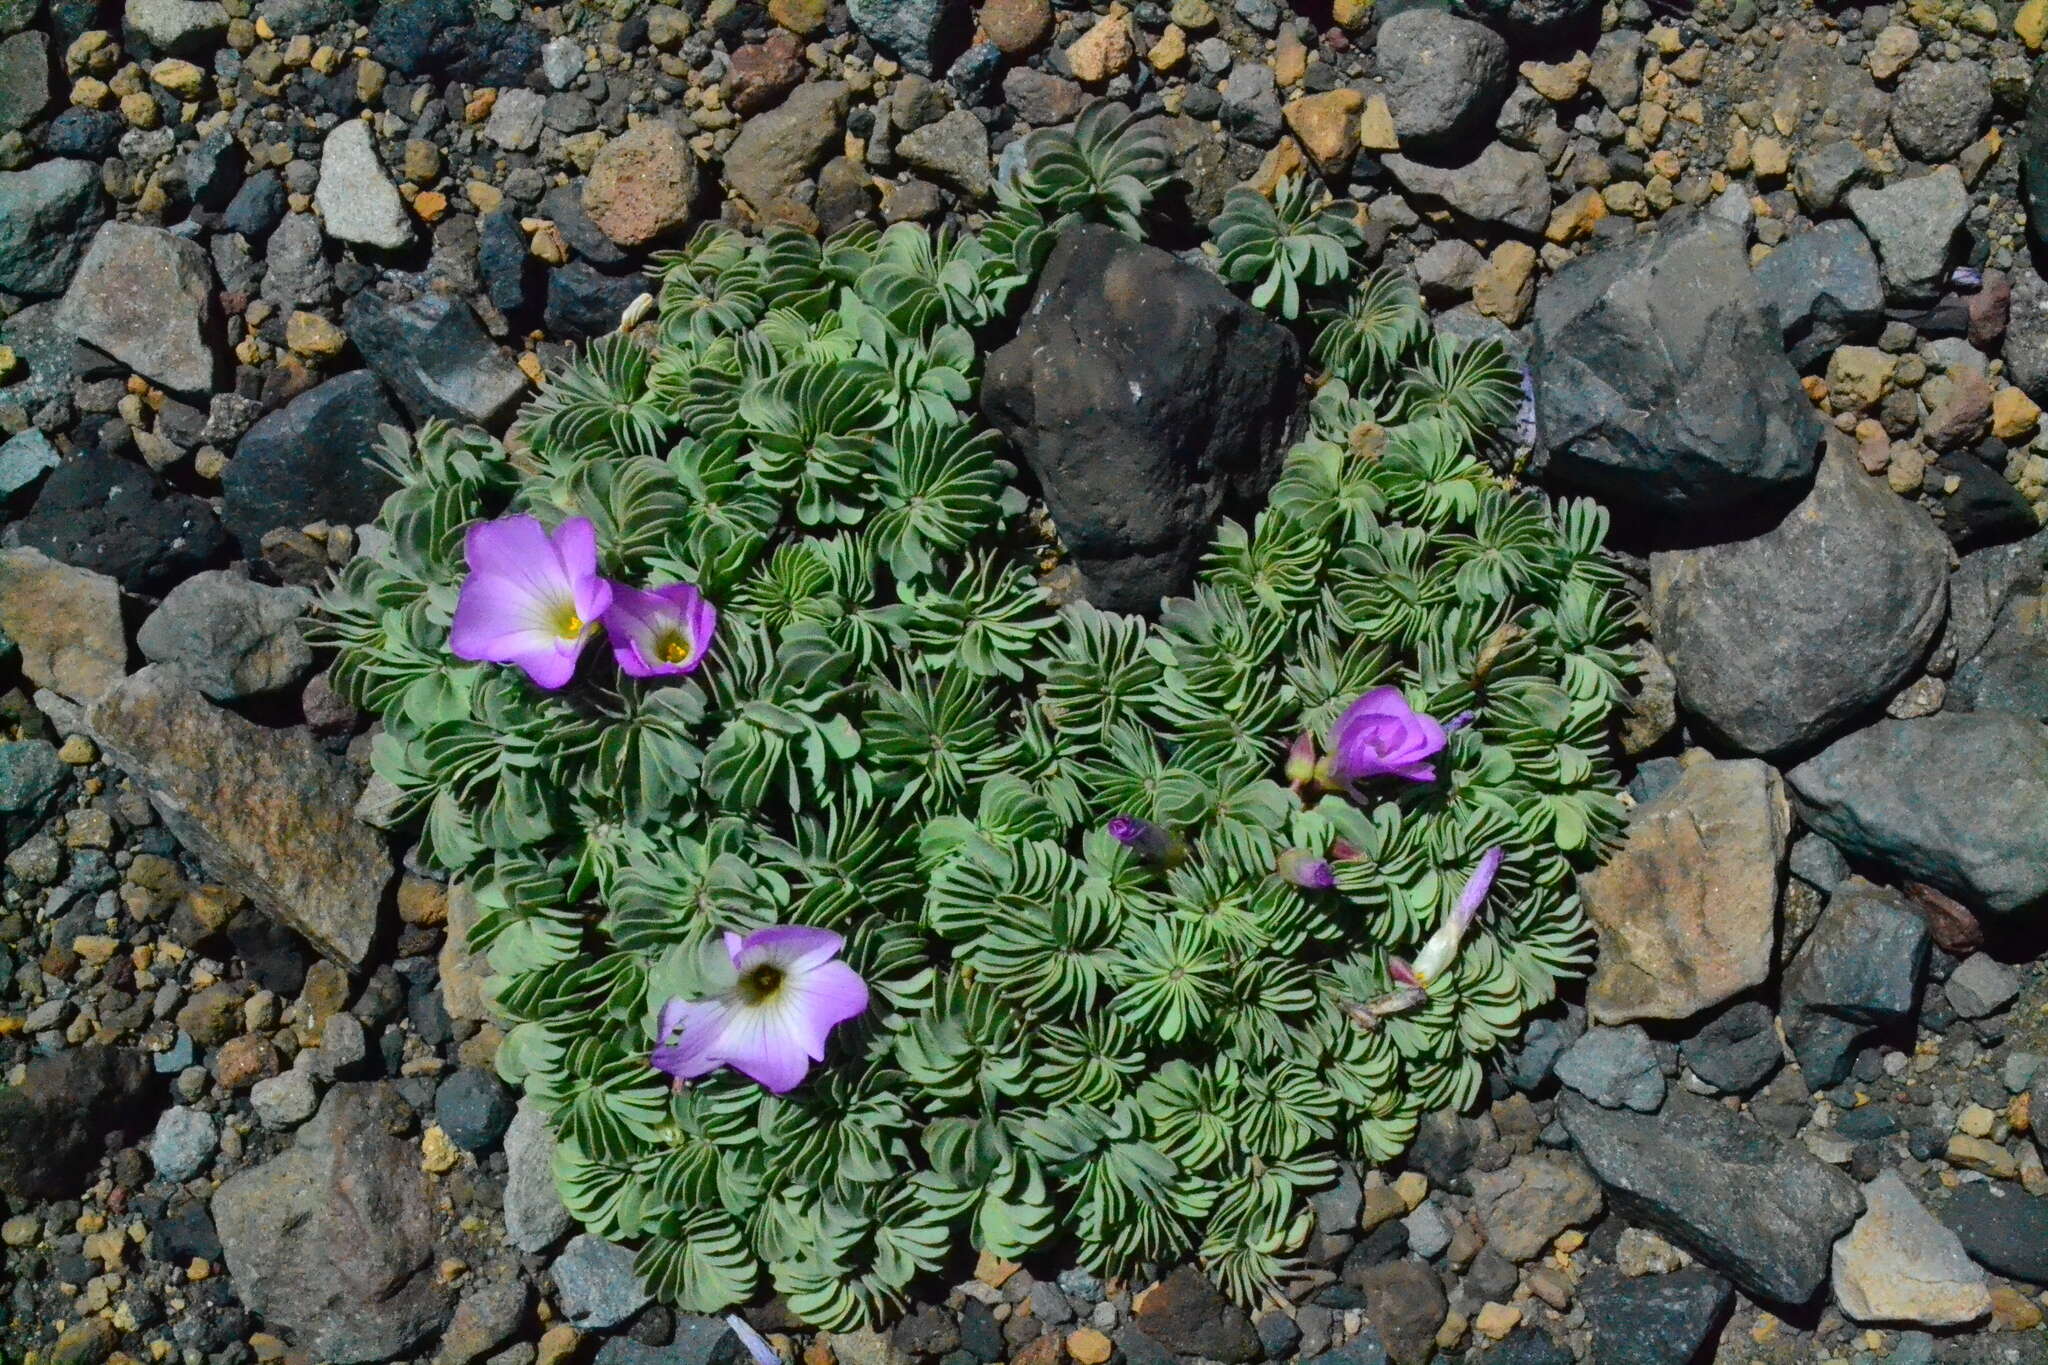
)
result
[(595, 1283), (145, 297), (356, 199), (1913, 224)]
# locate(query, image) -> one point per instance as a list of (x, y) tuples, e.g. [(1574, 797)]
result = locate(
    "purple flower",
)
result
[(1143, 838), (1380, 735), (662, 632), (1299, 867), (1966, 277), (788, 992), (531, 599), (1442, 949)]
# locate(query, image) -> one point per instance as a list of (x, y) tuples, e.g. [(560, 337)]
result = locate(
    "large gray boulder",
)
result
[(1145, 397), (1446, 77), (47, 215), (1677, 1171), (1661, 381), (333, 1239), (1852, 564), (1952, 800), (145, 297)]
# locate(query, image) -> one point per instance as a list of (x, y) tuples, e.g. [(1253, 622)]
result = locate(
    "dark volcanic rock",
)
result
[(333, 1240), (1145, 397), (433, 354), (2034, 161), (1823, 289), (1674, 1170), (2010, 672), (1657, 1319), (426, 37), (311, 460), (1951, 800), (1407, 1304), (1852, 564), (1984, 509), (1446, 76), (2003, 1228), (583, 302), (105, 514), (1859, 972), (1185, 1313), (1737, 1051), (1661, 381), (53, 1125), (47, 215)]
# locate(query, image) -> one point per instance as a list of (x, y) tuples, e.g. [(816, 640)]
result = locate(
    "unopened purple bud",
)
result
[(1143, 838), (1475, 891), (1299, 867), (1525, 412), (1966, 277), (1459, 721)]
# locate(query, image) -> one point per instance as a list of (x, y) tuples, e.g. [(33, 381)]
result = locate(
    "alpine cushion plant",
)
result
[(1115, 939)]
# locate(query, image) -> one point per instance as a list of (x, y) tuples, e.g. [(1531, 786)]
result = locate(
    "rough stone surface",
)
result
[(1940, 108), (333, 1239), (1981, 986), (265, 810), (1615, 1068), (178, 28), (47, 215), (1445, 76), (1686, 908), (1823, 288), (953, 149), (311, 460), (53, 1124), (534, 1214), (1852, 563), (1499, 185), (434, 356), (908, 30), (1656, 1319), (1738, 1050), (1674, 1171), (1407, 1304), (229, 637), (1858, 972), (777, 149), (1186, 1314), (1661, 381), (1145, 398), (183, 1143), (111, 516), (145, 297), (1899, 1265), (1951, 800), (595, 1283), (65, 621), (1913, 224), (1526, 1204), (642, 184), (24, 80), (357, 201), (2003, 1229)]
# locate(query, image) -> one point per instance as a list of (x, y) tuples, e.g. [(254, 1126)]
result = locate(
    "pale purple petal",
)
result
[(792, 947), (769, 1044), (1481, 882), (1413, 772), (757, 1346), (833, 993), (693, 1037)]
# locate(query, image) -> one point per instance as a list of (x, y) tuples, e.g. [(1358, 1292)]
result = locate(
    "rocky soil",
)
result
[(1769, 268)]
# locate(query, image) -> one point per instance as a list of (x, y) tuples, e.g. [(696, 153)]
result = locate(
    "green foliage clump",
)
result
[(1298, 236), (896, 737)]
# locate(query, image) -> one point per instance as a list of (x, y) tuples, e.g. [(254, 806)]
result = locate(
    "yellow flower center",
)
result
[(569, 625), (674, 649), (761, 983)]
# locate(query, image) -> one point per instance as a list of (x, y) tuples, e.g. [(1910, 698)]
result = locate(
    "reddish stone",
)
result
[(760, 74)]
